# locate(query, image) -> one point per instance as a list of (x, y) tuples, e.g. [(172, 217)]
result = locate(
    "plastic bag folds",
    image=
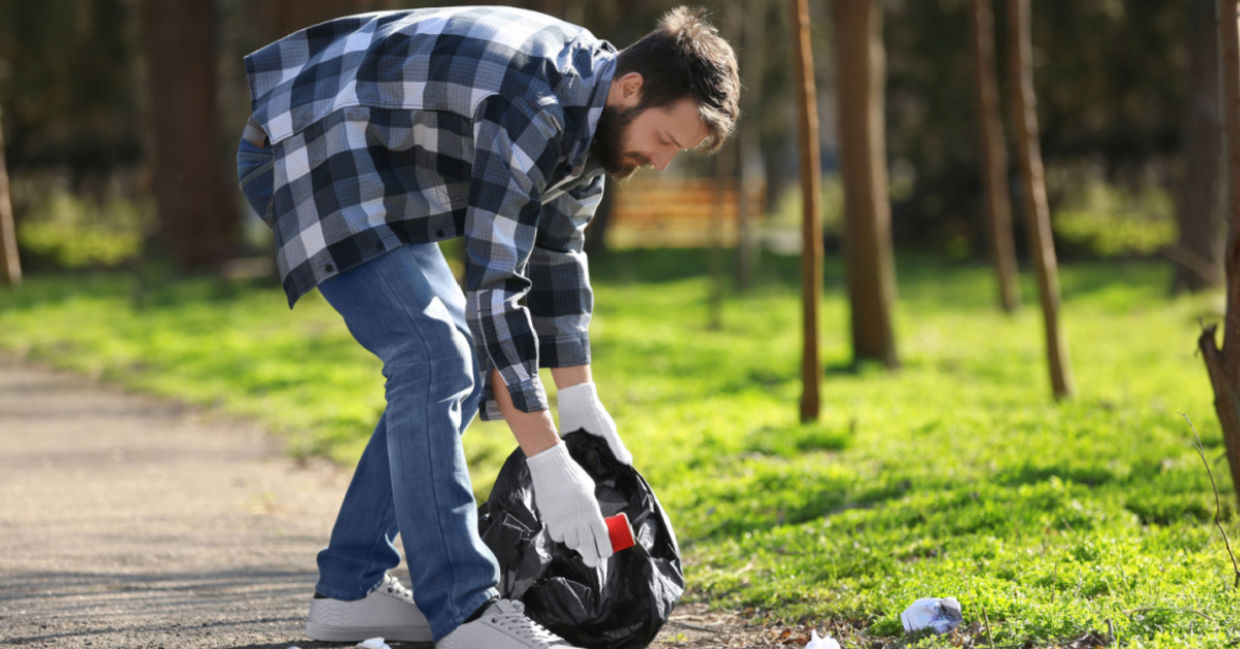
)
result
[(623, 602)]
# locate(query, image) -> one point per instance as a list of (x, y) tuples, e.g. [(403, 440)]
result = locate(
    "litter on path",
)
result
[(816, 642)]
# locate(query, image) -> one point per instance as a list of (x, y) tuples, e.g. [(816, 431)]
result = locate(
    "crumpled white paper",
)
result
[(816, 642), (942, 614), (373, 643)]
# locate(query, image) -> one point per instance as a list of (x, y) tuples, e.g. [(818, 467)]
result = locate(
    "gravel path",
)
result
[(127, 521)]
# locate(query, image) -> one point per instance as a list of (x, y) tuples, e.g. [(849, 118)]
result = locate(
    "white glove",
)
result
[(580, 409), (564, 496)]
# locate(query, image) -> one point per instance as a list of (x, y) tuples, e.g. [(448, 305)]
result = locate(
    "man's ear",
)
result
[(626, 92)]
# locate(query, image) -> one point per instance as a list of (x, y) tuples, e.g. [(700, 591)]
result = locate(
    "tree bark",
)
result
[(288, 16), (1037, 214), (811, 214), (997, 212), (1198, 256), (10, 264), (1223, 366), (199, 224), (596, 233), (723, 174), (749, 153), (871, 277)]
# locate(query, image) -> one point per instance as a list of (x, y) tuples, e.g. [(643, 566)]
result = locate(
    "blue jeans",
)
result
[(254, 172), (406, 308)]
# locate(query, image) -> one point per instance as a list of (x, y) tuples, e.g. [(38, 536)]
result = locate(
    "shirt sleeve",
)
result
[(515, 152), (560, 299)]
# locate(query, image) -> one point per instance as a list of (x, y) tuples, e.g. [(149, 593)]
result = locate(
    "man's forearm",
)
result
[(535, 432)]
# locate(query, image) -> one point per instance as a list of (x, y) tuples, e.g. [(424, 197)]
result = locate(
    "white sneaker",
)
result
[(503, 625), (387, 612)]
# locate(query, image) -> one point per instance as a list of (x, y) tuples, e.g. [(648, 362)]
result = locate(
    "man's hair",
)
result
[(685, 57)]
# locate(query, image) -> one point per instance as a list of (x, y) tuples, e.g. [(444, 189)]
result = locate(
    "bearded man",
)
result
[(374, 137)]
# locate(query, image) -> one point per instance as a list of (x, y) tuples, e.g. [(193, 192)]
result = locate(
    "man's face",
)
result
[(628, 137)]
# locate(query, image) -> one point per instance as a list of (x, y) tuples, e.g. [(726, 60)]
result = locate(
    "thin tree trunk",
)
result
[(748, 147), (199, 223), (722, 175), (1198, 255), (1037, 214), (10, 265), (871, 276), (997, 213), (596, 233), (811, 216), (1223, 366)]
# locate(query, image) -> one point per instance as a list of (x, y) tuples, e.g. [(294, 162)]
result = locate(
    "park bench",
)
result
[(680, 212)]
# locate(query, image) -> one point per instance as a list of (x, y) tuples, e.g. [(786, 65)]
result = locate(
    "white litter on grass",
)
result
[(816, 642), (942, 614), (373, 643)]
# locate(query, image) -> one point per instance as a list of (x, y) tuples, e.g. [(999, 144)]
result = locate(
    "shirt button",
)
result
[(329, 268), (439, 233)]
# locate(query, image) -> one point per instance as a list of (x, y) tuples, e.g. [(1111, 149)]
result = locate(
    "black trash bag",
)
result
[(623, 603)]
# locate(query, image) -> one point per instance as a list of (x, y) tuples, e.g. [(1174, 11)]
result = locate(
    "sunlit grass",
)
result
[(955, 475)]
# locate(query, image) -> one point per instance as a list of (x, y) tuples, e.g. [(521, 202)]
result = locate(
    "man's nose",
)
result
[(661, 160)]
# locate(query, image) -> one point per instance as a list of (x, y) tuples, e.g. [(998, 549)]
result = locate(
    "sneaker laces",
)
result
[(519, 624), (393, 586)]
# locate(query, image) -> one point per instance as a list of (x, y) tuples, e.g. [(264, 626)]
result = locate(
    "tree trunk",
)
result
[(722, 174), (871, 277), (811, 214), (997, 212), (10, 265), (1223, 366), (749, 153), (1037, 214), (596, 233), (1198, 255), (199, 224), (288, 16)]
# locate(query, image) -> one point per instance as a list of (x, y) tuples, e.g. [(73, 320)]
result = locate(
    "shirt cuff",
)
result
[(564, 350), (527, 396)]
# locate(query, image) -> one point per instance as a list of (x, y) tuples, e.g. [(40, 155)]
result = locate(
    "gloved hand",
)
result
[(564, 496), (581, 409)]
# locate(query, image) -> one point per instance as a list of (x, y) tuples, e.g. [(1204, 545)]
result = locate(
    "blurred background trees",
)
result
[(119, 121), (993, 161), (88, 147), (1198, 252), (198, 225), (10, 263), (860, 66), (1024, 127)]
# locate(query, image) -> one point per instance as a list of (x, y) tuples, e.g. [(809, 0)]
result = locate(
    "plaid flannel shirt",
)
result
[(418, 126)]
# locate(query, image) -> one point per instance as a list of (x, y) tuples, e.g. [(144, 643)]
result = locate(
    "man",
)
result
[(372, 138)]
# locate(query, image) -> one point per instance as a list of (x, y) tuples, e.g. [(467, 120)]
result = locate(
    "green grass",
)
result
[(59, 229), (956, 475)]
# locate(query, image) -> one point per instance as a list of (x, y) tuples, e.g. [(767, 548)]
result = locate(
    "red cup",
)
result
[(620, 531)]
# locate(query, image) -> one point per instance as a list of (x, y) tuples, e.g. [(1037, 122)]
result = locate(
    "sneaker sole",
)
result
[(332, 633)]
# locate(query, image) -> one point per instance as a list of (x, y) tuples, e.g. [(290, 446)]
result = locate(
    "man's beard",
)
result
[(608, 140)]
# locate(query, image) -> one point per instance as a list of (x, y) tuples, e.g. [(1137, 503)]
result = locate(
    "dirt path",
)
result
[(127, 521)]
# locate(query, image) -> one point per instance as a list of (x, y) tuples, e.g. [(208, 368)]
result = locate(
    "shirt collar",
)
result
[(604, 69)]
